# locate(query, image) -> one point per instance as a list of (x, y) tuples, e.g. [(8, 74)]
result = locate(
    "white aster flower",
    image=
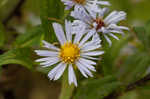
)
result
[(74, 53), (106, 26), (88, 4)]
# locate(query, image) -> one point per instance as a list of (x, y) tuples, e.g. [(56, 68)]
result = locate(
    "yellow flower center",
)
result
[(80, 1), (69, 52)]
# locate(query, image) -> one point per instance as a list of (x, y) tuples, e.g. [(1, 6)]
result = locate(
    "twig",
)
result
[(130, 87), (54, 19), (138, 83)]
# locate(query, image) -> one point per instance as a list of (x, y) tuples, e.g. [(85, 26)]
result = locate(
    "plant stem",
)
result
[(67, 90)]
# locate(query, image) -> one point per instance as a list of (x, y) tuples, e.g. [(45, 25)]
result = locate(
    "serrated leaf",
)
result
[(2, 37), (30, 38), (51, 11), (17, 56), (97, 89)]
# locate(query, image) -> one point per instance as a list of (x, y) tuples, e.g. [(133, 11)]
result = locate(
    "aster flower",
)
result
[(106, 26), (88, 4), (78, 53)]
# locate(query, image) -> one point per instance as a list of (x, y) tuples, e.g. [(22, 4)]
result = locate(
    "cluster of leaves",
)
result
[(116, 71)]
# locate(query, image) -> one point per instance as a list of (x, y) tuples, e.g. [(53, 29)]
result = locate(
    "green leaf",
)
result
[(142, 36), (111, 54), (17, 56), (2, 37), (134, 67), (130, 95), (97, 88), (30, 38), (51, 11)]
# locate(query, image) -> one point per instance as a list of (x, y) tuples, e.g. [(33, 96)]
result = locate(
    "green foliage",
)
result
[(17, 56), (51, 11), (111, 54), (2, 36), (66, 94), (134, 68), (30, 38), (97, 88)]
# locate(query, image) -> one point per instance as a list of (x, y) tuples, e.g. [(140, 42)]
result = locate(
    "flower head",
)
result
[(78, 53), (88, 4), (106, 26)]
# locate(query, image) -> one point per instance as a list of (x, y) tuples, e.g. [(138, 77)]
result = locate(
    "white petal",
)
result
[(108, 40), (111, 15), (45, 59), (59, 33), (46, 53), (93, 53), (89, 48), (50, 62), (83, 69), (60, 72), (78, 37), (87, 36), (50, 46), (116, 18), (90, 67), (115, 27), (71, 74), (53, 72), (68, 28), (89, 57), (88, 61), (117, 31), (113, 36)]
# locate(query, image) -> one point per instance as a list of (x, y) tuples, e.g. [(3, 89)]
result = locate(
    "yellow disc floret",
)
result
[(69, 52)]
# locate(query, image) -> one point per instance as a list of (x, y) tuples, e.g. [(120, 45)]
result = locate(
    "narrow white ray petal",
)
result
[(50, 46), (50, 62), (93, 53), (60, 71), (108, 40), (111, 15), (117, 31), (46, 53), (44, 59), (84, 69), (78, 37), (68, 28), (81, 70), (118, 17), (87, 36), (89, 57), (53, 72), (71, 75), (102, 12), (88, 61), (59, 33), (89, 48), (115, 27), (103, 3), (90, 67), (123, 28), (113, 36)]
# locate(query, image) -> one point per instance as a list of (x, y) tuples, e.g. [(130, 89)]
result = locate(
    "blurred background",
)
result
[(20, 16)]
